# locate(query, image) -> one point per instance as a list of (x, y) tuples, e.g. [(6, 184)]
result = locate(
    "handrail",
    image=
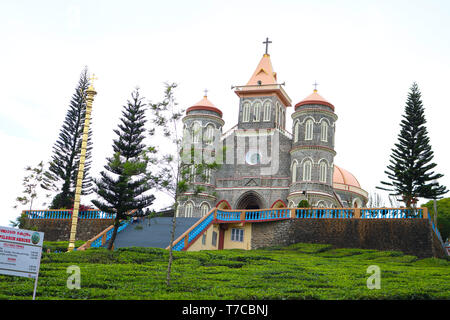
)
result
[(67, 214), (182, 242), (103, 237)]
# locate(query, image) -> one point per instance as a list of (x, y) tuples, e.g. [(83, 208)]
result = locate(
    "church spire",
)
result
[(263, 74)]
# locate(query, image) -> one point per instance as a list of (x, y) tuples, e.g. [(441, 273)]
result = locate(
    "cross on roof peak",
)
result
[(206, 93), (315, 84), (267, 45), (93, 78)]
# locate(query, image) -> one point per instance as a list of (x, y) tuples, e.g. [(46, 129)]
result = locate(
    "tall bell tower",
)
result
[(263, 101)]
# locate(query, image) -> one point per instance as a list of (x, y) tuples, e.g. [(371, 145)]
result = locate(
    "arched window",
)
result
[(321, 204), (309, 127), (294, 171), (307, 166), (267, 111), (209, 134), (196, 132), (323, 171), (188, 210), (246, 112), (204, 209), (257, 111), (296, 130), (324, 131), (207, 175), (276, 116), (192, 173)]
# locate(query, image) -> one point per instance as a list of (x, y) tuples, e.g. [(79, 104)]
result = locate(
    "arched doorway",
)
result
[(250, 200), (278, 204), (223, 204)]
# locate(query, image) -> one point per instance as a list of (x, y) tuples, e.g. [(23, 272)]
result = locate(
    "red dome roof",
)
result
[(314, 98), (344, 177), (204, 104)]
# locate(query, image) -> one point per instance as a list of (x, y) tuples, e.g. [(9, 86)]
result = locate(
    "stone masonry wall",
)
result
[(411, 236), (59, 229)]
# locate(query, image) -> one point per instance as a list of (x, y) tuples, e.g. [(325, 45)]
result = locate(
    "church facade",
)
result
[(262, 164)]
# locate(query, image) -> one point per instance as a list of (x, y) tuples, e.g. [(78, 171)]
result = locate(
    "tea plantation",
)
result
[(300, 271)]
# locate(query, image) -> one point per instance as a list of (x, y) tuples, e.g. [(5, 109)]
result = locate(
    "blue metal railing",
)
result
[(337, 213), (198, 229), (228, 215), (67, 214), (97, 243), (391, 213), (267, 214), (436, 231)]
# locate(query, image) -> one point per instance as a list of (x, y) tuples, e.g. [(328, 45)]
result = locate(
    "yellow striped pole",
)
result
[(90, 93)]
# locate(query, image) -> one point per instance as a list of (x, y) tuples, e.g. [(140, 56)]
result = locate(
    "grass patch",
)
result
[(300, 271)]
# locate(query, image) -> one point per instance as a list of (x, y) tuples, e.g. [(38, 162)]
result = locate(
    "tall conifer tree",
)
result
[(125, 189), (67, 149), (410, 172)]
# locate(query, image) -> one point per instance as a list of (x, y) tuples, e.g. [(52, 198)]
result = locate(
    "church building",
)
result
[(264, 165)]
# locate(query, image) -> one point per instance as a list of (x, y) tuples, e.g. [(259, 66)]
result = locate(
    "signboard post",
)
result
[(20, 253)]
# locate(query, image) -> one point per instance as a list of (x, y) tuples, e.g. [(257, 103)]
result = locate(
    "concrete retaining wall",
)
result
[(59, 229), (411, 236)]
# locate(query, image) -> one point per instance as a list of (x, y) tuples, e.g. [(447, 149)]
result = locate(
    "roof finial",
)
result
[(206, 93), (315, 84), (267, 45), (93, 78)]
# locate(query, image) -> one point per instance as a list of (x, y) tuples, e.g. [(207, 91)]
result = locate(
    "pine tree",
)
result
[(125, 189), (66, 150), (411, 160)]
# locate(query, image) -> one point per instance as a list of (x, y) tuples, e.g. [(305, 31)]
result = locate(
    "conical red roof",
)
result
[(314, 98), (264, 73), (205, 104)]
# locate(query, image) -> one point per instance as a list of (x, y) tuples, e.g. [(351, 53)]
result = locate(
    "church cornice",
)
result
[(201, 195), (312, 110), (203, 115), (312, 147)]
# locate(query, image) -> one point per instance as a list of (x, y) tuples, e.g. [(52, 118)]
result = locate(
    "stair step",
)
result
[(156, 235)]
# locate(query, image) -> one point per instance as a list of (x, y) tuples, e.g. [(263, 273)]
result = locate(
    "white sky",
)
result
[(364, 55)]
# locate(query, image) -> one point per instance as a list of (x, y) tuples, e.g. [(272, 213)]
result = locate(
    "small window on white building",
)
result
[(257, 112), (214, 238), (188, 210), (309, 127), (204, 209), (209, 134), (204, 239), (267, 111), (246, 112), (324, 131), (307, 166), (294, 172), (208, 175), (237, 235), (196, 132), (323, 171), (296, 131)]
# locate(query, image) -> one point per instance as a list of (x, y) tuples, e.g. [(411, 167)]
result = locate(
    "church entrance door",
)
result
[(250, 200)]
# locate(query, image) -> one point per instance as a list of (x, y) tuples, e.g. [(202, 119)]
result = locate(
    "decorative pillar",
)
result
[(90, 93)]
